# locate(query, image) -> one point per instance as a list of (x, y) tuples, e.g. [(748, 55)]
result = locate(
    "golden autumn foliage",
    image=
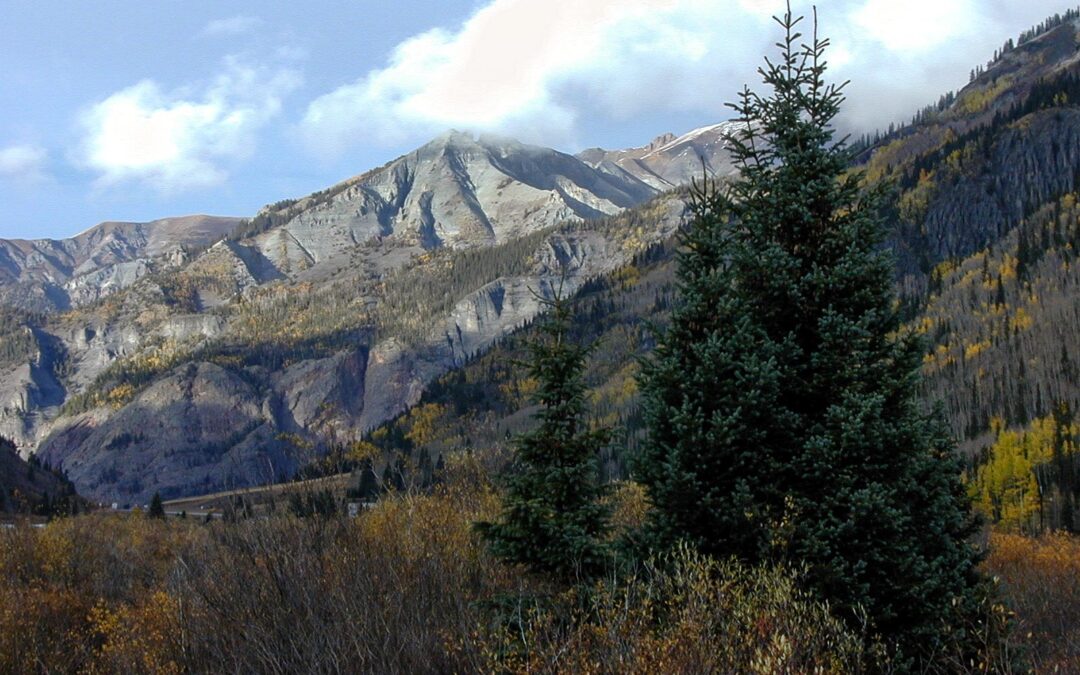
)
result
[(1014, 487), (687, 615), (142, 637), (977, 99), (79, 595), (422, 423)]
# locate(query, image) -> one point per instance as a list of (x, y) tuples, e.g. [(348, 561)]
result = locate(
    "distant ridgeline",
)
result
[(868, 141)]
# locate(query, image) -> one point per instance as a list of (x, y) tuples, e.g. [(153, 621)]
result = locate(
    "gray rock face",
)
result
[(47, 274), (455, 191), (185, 432), (99, 283), (208, 418), (322, 394), (29, 391)]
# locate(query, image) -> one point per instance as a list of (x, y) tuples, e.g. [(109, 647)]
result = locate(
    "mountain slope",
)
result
[(986, 235), (29, 488), (49, 274), (294, 366)]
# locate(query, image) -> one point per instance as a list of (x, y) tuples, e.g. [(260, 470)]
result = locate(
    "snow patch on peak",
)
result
[(716, 130)]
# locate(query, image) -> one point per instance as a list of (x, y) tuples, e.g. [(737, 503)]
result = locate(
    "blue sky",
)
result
[(135, 110)]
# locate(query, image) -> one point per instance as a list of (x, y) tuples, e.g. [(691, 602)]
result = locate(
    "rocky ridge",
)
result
[(216, 366), (51, 274)]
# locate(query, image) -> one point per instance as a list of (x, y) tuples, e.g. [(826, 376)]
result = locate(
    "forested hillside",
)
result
[(30, 488), (989, 228)]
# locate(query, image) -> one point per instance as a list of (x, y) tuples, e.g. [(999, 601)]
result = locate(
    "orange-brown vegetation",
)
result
[(406, 587), (1040, 578)]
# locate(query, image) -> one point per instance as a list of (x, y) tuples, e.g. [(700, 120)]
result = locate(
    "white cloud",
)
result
[(23, 163), (497, 71), (915, 25), (235, 25), (181, 139), (536, 68)]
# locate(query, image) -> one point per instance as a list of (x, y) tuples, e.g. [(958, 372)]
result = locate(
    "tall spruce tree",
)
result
[(553, 518), (781, 403)]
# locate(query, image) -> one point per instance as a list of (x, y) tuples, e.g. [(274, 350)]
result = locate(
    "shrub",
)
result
[(688, 614), (1041, 579)]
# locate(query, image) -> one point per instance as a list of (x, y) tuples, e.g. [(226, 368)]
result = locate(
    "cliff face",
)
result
[(974, 190), (181, 368)]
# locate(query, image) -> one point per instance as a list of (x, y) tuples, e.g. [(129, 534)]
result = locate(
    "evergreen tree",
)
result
[(782, 407), (399, 474), (368, 486), (157, 509), (440, 468), (553, 520), (425, 469)]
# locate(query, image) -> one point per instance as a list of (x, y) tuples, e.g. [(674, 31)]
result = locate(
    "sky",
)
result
[(141, 109)]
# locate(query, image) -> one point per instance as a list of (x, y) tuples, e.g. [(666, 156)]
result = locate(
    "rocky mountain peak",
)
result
[(51, 274), (660, 141), (670, 160)]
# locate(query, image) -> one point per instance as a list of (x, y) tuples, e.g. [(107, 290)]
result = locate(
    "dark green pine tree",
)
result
[(157, 509), (553, 518), (784, 423)]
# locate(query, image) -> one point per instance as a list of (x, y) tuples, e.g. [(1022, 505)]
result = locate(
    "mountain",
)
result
[(669, 160), (363, 305), (986, 231), (250, 390), (456, 191), (236, 361), (49, 274)]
